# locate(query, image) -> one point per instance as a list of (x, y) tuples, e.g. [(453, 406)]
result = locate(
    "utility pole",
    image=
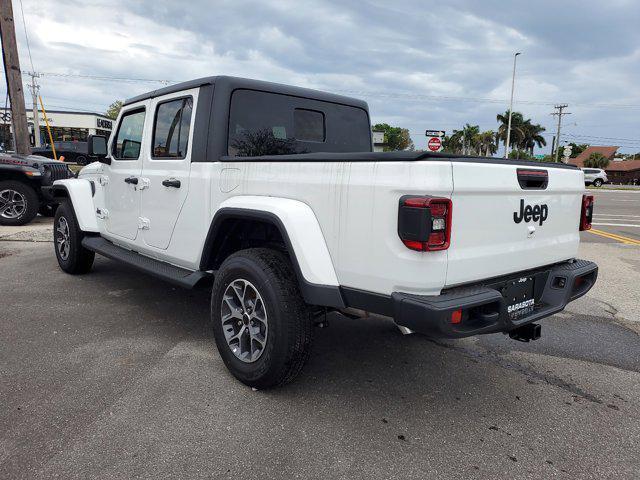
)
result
[(35, 91), (14, 78), (559, 113), (513, 84)]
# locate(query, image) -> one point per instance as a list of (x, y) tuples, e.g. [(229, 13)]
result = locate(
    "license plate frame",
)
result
[(519, 295)]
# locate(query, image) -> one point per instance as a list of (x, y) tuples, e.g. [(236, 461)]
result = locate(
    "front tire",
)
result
[(597, 183), (72, 257), (262, 327), (18, 203)]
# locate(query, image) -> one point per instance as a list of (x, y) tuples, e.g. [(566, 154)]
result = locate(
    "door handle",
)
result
[(131, 180), (171, 182)]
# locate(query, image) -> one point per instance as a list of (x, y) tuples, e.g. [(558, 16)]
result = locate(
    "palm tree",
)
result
[(453, 143), (469, 139), (532, 136), (524, 134), (487, 143), (517, 133)]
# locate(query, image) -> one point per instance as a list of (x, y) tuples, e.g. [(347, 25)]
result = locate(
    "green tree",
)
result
[(517, 154), (577, 149), (453, 143), (517, 132), (487, 143), (525, 135), (114, 109), (532, 136), (395, 138), (596, 160), (471, 141)]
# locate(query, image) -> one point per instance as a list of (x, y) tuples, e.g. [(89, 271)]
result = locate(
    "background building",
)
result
[(378, 141), (65, 126)]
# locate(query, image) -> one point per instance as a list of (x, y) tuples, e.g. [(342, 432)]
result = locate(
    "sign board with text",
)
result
[(434, 140)]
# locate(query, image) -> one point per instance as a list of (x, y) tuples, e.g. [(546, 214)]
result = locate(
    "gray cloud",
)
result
[(580, 52)]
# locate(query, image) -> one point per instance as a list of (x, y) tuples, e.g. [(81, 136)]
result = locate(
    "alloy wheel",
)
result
[(13, 204), (63, 243), (244, 320)]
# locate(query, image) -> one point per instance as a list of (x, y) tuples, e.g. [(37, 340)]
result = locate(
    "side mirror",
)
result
[(97, 147)]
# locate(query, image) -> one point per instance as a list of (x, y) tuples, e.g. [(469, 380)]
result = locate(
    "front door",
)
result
[(122, 177), (167, 165)]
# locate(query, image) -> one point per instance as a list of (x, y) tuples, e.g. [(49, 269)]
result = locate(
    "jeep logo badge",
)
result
[(537, 213)]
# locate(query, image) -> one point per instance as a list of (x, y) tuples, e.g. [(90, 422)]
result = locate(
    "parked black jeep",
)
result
[(74, 151), (22, 178)]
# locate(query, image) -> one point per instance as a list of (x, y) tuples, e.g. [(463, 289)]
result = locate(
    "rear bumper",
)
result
[(484, 309)]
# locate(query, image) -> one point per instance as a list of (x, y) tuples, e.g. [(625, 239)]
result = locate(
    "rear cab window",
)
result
[(128, 139), (263, 123), (171, 128)]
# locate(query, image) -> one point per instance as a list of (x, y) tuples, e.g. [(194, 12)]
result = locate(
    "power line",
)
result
[(108, 78), (363, 93), (26, 36)]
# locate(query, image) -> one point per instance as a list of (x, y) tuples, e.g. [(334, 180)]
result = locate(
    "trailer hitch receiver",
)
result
[(526, 333)]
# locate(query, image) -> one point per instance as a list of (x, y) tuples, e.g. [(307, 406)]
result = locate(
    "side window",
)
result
[(264, 123), (171, 128), (129, 137)]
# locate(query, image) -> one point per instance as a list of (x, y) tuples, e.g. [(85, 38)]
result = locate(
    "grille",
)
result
[(54, 171)]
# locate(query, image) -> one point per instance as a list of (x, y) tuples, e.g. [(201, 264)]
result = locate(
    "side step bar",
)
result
[(165, 271)]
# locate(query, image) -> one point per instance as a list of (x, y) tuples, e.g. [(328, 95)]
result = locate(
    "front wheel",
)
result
[(262, 327), (597, 183), (18, 203), (67, 240)]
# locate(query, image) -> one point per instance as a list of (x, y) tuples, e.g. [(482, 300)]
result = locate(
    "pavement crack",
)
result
[(530, 372)]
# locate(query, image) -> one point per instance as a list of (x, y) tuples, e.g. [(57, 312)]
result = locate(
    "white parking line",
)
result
[(614, 215), (617, 224)]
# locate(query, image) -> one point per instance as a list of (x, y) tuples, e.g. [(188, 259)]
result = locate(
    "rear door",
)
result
[(589, 175), (167, 165), (502, 224)]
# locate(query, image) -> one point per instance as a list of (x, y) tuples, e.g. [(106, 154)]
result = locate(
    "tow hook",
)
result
[(526, 333)]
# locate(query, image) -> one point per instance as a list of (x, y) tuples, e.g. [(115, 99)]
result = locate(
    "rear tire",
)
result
[(19, 203), (72, 257), (597, 183), (262, 327)]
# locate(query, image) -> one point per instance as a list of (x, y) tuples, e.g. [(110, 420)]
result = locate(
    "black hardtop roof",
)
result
[(233, 83)]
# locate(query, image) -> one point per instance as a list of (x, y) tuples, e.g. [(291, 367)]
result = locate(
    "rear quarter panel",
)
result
[(356, 204)]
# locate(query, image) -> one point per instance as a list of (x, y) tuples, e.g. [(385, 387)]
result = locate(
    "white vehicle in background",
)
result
[(595, 176), (273, 192)]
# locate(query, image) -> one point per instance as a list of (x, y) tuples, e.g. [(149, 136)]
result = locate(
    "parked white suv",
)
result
[(595, 176), (274, 193)]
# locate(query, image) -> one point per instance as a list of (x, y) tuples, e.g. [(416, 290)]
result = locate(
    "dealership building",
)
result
[(65, 126)]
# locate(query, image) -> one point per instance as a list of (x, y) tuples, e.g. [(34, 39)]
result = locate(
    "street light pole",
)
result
[(513, 83)]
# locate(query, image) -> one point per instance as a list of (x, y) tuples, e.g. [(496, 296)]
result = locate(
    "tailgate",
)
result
[(500, 226)]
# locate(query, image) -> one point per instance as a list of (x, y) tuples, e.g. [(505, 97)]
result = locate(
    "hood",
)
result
[(34, 161)]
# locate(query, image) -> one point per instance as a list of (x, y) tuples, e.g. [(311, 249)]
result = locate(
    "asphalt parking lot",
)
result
[(616, 216), (115, 375)]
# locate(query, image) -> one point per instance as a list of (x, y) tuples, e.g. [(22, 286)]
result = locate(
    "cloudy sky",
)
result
[(419, 64)]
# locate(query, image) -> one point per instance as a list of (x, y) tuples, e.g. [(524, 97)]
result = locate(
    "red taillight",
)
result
[(456, 316), (587, 212), (424, 223)]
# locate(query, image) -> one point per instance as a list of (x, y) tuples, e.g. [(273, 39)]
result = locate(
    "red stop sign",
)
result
[(434, 144)]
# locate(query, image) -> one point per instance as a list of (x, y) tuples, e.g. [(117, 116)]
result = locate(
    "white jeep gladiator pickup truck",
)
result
[(273, 192)]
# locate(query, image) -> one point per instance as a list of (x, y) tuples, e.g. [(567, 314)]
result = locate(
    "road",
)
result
[(115, 375), (616, 217)]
